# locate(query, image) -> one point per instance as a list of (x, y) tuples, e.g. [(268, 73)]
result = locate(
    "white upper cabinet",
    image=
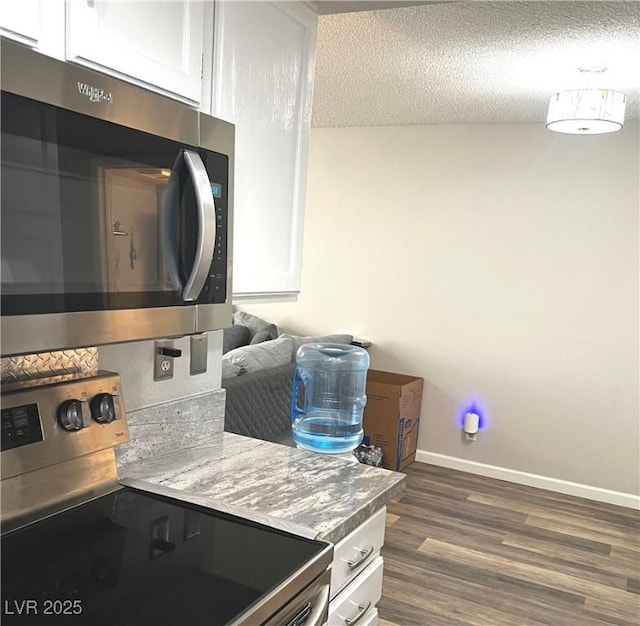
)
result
[(155, 43), (21, 21), (36, 23), (263, 64)]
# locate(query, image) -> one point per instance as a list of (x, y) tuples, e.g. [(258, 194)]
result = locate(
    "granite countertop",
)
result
[(309, 494)]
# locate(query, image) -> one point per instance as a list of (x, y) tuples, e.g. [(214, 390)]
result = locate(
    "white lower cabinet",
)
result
[(357, 550), (356, 604), (356, 574)]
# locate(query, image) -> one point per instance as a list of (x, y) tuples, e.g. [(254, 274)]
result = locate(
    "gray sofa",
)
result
[(258, 362), (258, 404)]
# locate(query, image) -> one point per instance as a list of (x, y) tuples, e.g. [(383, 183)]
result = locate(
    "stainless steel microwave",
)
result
[(116, 209)]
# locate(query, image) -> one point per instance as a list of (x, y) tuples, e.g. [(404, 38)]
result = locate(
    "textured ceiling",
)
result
[(322, 7), (470, 62)]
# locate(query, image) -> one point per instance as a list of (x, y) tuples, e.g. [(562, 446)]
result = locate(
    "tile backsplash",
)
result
[(173, 426)]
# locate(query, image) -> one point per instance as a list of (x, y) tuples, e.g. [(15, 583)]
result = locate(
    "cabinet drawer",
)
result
[(354, 605), (369, 619), (357, 550)]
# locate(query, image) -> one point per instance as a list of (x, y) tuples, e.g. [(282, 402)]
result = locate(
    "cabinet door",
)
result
[(156, 43), (36, 23), (264, 59)]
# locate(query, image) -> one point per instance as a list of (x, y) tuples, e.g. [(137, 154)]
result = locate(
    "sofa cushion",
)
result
[(299, 341), (234, 337), (252, 322), (229, 369), (268, 333), (254, 358)]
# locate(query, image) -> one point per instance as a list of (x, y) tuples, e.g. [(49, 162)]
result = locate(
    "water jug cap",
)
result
[(339, 354)]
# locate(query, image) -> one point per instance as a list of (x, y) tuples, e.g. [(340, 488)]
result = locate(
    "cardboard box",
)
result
[(392, 416)]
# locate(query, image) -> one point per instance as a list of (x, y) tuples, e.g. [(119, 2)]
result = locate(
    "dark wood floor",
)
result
[(467, 550)]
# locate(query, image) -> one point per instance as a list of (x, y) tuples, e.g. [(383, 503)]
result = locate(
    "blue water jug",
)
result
[(328, 397)]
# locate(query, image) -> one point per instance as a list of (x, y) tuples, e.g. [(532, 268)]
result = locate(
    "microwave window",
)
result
[(82, 206), (121, 252)]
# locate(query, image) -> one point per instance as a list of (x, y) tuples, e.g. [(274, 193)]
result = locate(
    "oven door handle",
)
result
[(317, 614), (206, 212)]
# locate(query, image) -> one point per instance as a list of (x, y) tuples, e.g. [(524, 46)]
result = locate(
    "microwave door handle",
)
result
[(169, 225), (206, 212)]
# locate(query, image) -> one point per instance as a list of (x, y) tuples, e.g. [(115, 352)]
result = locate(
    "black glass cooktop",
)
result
[(133, 559)]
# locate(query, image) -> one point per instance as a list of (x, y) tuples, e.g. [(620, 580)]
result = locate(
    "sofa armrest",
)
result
[(258, 404)]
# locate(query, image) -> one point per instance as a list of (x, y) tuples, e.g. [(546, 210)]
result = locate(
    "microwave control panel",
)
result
[(215, 290), (218, 273)]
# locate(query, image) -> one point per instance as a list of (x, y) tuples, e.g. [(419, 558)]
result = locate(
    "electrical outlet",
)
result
[(160, 529), (163, 364), (159, 543), (191, 524)]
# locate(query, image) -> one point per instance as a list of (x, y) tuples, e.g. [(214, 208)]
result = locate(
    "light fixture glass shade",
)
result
[(586, 111)]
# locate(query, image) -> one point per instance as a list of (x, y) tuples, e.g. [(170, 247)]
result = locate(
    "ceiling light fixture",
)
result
[(586, 111)]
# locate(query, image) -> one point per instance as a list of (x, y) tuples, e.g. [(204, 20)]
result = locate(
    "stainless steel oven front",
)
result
[(116, 210)]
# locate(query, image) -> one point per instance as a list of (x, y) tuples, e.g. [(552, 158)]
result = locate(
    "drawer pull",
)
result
[(363, 610), (365, 554)]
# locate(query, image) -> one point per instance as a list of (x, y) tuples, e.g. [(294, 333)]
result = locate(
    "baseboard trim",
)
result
[(532, 480)]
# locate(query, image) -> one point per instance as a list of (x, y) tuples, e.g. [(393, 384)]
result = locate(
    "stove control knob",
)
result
[(70, 415), (103, 409)]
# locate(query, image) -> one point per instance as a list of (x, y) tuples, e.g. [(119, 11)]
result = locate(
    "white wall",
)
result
[(493, 260)]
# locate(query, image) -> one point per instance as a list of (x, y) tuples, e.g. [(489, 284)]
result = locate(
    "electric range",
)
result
[(77, 548)]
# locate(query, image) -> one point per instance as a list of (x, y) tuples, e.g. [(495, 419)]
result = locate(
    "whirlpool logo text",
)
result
[(95, 94)]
